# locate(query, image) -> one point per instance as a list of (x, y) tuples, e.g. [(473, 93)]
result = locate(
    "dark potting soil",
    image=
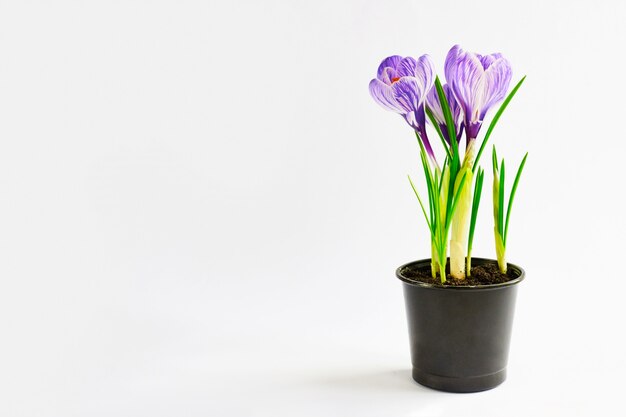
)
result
[(483, 274)]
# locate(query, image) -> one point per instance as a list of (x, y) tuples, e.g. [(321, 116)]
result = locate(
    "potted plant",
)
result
[(459, 309)]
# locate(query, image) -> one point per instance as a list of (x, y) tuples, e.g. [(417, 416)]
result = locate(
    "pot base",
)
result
[(471, 384)]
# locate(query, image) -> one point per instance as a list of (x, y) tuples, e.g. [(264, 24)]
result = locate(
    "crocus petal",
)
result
[(409, 93), (478, 82), (487, 60), (401, 85), (383, 94), (466, 82), (407, 67), (389, 62), (425, 72), (433, 103), (421, 68), (411, 119), (417, 120), (389, 75), (497, 80), (460, 132), (449, 65)]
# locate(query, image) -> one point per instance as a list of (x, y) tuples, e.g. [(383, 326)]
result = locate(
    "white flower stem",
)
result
[(500, 251), (460, 221)]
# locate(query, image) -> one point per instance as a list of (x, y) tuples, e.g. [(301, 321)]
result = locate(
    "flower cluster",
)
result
[(474, 84)]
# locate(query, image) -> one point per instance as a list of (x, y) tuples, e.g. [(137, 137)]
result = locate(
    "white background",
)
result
[(201, 208)]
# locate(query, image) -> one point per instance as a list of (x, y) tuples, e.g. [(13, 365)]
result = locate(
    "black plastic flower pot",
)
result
[(459, 335)]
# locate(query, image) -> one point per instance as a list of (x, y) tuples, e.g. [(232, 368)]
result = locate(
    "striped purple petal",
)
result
[(433, 103), (463, 74), (487, 60), (497, 79), (478, 82), (401, 85), (383, 94), (417, 119), (389, 62), (421, 68), (409, 93), (389, 75)]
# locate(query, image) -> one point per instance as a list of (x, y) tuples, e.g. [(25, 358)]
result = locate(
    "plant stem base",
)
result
[(471, 384)]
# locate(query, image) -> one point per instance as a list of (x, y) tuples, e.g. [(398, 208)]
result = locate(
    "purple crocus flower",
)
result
[(433, 103), (401, 85), (478, 82)]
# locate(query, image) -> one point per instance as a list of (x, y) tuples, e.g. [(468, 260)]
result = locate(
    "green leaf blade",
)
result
[(478, 187), (512, 196), (434, 122), (501, 201), (495, 119), (447, 114), (421, 205)]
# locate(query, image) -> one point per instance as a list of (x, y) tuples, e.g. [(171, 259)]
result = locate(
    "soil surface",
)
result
[(484, 274)]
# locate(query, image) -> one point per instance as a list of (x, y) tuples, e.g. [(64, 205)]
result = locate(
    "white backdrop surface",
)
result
[(201, 208)]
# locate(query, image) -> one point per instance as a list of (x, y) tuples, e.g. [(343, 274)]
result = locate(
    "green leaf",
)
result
[(433, 121), (429, 184), (475, 203), (421, 205), (513, 190), (501, 201), (501, 253), (443, 195), (454, 172), (447, 114), (420, 143), (495, 187), (427, 172), (495, 119), (443, 172), (455, 201)]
